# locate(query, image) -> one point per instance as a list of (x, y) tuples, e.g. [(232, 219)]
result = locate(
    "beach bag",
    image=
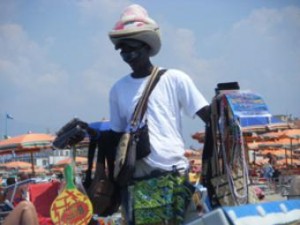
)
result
[(102, 196), (138, 140), (125, 159), (229, 173), (224, 186), (135, 143), (160, 199), (103, 192)]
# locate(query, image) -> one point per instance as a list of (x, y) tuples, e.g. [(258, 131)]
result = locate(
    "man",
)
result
[(137, 37)]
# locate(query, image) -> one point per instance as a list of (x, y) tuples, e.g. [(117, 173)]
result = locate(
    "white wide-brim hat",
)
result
[(137, 25)]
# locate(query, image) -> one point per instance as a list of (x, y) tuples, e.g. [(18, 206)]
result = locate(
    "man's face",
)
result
[(132, 50)]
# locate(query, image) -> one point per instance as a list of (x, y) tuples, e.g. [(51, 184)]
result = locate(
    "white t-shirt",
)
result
[(174, 93)]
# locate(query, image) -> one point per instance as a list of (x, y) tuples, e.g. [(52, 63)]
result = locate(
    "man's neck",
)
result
[(142, 72)]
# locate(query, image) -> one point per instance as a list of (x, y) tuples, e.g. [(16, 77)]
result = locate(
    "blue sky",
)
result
[(56, 60)]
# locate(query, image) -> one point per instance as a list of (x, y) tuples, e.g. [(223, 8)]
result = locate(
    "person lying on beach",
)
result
[(23, 214)]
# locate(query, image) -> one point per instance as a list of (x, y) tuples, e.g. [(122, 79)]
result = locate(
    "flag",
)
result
[(8, 116)]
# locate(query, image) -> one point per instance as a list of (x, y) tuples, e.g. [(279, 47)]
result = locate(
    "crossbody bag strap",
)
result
[(140, 107), (153, 84)]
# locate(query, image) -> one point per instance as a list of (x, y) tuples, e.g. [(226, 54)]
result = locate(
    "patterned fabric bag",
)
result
[(223, 187), (162, 199)]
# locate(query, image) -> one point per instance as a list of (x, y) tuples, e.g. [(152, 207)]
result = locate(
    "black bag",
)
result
[(70, 134), (103, 192), (142, 142), (135, 144), (104, 195)]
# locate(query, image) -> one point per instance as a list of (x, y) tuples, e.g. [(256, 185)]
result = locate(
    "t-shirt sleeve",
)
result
[(190, 97), (115, 118)]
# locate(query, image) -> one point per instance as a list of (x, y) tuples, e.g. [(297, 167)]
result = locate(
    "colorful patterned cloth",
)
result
[(161, 199)]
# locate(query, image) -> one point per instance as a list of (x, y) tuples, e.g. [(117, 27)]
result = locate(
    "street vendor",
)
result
[(137, 37)]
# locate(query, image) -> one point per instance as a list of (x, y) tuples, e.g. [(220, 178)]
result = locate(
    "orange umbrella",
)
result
[(262, 161), (277, 152), (292, 133), (85, 167), (26, 143), (57, 170), (79, 161), (16, 165), (290, 162), (38, 170)]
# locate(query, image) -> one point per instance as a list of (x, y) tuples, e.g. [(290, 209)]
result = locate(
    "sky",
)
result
[(57, 62)]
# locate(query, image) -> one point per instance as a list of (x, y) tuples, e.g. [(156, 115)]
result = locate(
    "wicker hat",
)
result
[(137, 25)]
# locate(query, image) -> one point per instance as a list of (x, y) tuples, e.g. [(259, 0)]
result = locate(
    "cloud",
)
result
[(23, 62), (38, 87), (261, 52), (29, 82), (7, 9), (94, 10)]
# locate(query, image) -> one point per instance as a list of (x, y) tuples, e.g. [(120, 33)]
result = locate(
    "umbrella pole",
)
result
[(291, 143), (74, 159), (32, 164)]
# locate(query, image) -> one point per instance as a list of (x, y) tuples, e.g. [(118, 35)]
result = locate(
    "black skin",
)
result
[(142, 67)]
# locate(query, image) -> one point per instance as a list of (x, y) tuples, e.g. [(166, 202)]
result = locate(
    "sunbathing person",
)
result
[(23, 214)]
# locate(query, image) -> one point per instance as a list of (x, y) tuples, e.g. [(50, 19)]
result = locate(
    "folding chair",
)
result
[(15, 193), (42, 195)]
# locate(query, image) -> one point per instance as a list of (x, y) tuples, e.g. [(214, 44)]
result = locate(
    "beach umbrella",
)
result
[(283, 162), (17, 165), (37, 170), (80, 164), (79, 161), (287, 140), (57, 170), (26, 143)]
